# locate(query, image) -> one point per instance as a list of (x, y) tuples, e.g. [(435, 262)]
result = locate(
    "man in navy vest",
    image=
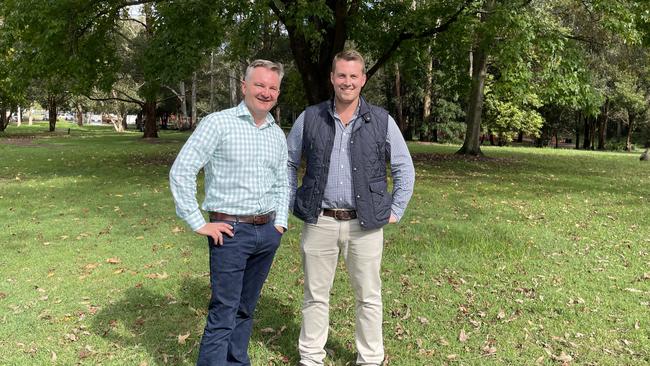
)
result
[(344, 203)]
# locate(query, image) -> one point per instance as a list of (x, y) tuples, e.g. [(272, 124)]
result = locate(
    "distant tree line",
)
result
[(470, 71)]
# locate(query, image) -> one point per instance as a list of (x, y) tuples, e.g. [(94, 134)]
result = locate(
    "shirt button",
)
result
[(358, 196)]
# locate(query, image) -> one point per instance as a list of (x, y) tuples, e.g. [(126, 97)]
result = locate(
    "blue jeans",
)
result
[(238, 270)]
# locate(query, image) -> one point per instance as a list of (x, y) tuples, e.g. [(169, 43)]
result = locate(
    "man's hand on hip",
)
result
[(280, 229), (216, 231), (392, 219)]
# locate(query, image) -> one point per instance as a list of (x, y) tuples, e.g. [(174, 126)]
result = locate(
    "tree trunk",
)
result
[(150, 126), (587, 133), (79, 115), (211, 81), (51, 104), (4, 120), (472, 144), (233, 84), (602, 125), (579, 121), (398, 100), (183, 99), (194, 107), (630, 128), (426, 113)]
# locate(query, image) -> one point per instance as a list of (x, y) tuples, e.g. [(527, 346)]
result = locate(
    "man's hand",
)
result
[(279, 228), (216, 231), (392, 219)]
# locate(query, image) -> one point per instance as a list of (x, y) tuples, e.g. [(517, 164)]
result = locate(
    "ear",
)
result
[(363, 80), (243, 87)]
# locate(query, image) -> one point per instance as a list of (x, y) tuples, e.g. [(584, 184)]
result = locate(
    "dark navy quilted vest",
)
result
[(369, 154)]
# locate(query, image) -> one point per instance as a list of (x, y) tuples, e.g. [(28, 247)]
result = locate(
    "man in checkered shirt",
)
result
[(244, 156)]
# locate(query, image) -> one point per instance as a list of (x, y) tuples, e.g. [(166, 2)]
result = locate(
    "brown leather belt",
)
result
[(249, 219), (340, 214)]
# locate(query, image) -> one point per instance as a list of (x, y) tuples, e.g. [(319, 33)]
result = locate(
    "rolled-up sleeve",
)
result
[(281, 189), (182, 177)]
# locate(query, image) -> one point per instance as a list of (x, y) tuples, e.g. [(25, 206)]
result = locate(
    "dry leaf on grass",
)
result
[(183, 337)]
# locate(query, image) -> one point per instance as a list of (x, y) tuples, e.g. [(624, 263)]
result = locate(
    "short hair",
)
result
[(349, 55), (269, 65)]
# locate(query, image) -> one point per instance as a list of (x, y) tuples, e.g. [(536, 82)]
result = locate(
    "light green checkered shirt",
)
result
[(245, 168)]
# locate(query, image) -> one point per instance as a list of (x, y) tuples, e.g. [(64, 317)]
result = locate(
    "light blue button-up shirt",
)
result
[(245, 168)]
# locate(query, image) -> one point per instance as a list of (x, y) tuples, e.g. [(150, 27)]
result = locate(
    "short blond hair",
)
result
[(269, 65), (349, 55)]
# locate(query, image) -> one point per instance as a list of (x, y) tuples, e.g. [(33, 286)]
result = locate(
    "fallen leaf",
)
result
[(452, 357), (177, 229), (489, 350), (53, 357), (157, 276), (267, 330), (462, 337), (423, 320), (183, 338), (113, 260), (501, 314)]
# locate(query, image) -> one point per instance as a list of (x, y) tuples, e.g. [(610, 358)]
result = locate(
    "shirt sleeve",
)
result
[(281, 188), (182, 177), (294, 147), (401, 167)]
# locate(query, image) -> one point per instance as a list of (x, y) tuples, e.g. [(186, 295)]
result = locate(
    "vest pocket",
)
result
[(381, 200)]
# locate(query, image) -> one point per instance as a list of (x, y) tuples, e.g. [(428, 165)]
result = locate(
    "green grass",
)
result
[(538, 256)]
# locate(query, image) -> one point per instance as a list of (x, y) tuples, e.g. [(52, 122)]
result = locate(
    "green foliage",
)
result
[(507, 119)]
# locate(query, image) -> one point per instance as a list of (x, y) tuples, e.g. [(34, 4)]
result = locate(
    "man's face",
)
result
[(347, 79), (261, 91)]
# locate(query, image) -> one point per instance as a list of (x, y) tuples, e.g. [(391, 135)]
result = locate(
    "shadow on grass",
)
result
[(153, 322), (276, 314)]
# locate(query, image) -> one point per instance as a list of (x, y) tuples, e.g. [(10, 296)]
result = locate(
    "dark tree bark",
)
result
[(314, 63), (602, 125), (472, 143), (630, 128), (4, 119), (398, 101), (150, 125), (51, 105), (579, 121)]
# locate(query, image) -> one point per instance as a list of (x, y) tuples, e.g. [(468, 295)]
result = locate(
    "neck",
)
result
[(343, 107)]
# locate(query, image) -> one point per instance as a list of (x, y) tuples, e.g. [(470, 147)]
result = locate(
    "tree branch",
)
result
[(410, 35)]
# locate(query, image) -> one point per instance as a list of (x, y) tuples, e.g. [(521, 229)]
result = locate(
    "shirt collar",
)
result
[(242, 112), (354, 116)]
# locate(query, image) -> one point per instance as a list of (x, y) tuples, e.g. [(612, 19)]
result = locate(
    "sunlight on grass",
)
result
[(531, 256)]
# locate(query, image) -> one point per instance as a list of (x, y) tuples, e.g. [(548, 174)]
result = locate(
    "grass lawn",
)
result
[(530, 257)]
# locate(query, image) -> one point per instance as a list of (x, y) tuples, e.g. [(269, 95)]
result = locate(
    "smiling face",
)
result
[(261, 89), (348, 79)]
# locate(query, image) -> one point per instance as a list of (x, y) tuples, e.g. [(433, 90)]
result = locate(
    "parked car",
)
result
[(68, 116)]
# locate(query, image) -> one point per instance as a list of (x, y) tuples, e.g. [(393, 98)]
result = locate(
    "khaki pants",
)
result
[(362, 250)]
